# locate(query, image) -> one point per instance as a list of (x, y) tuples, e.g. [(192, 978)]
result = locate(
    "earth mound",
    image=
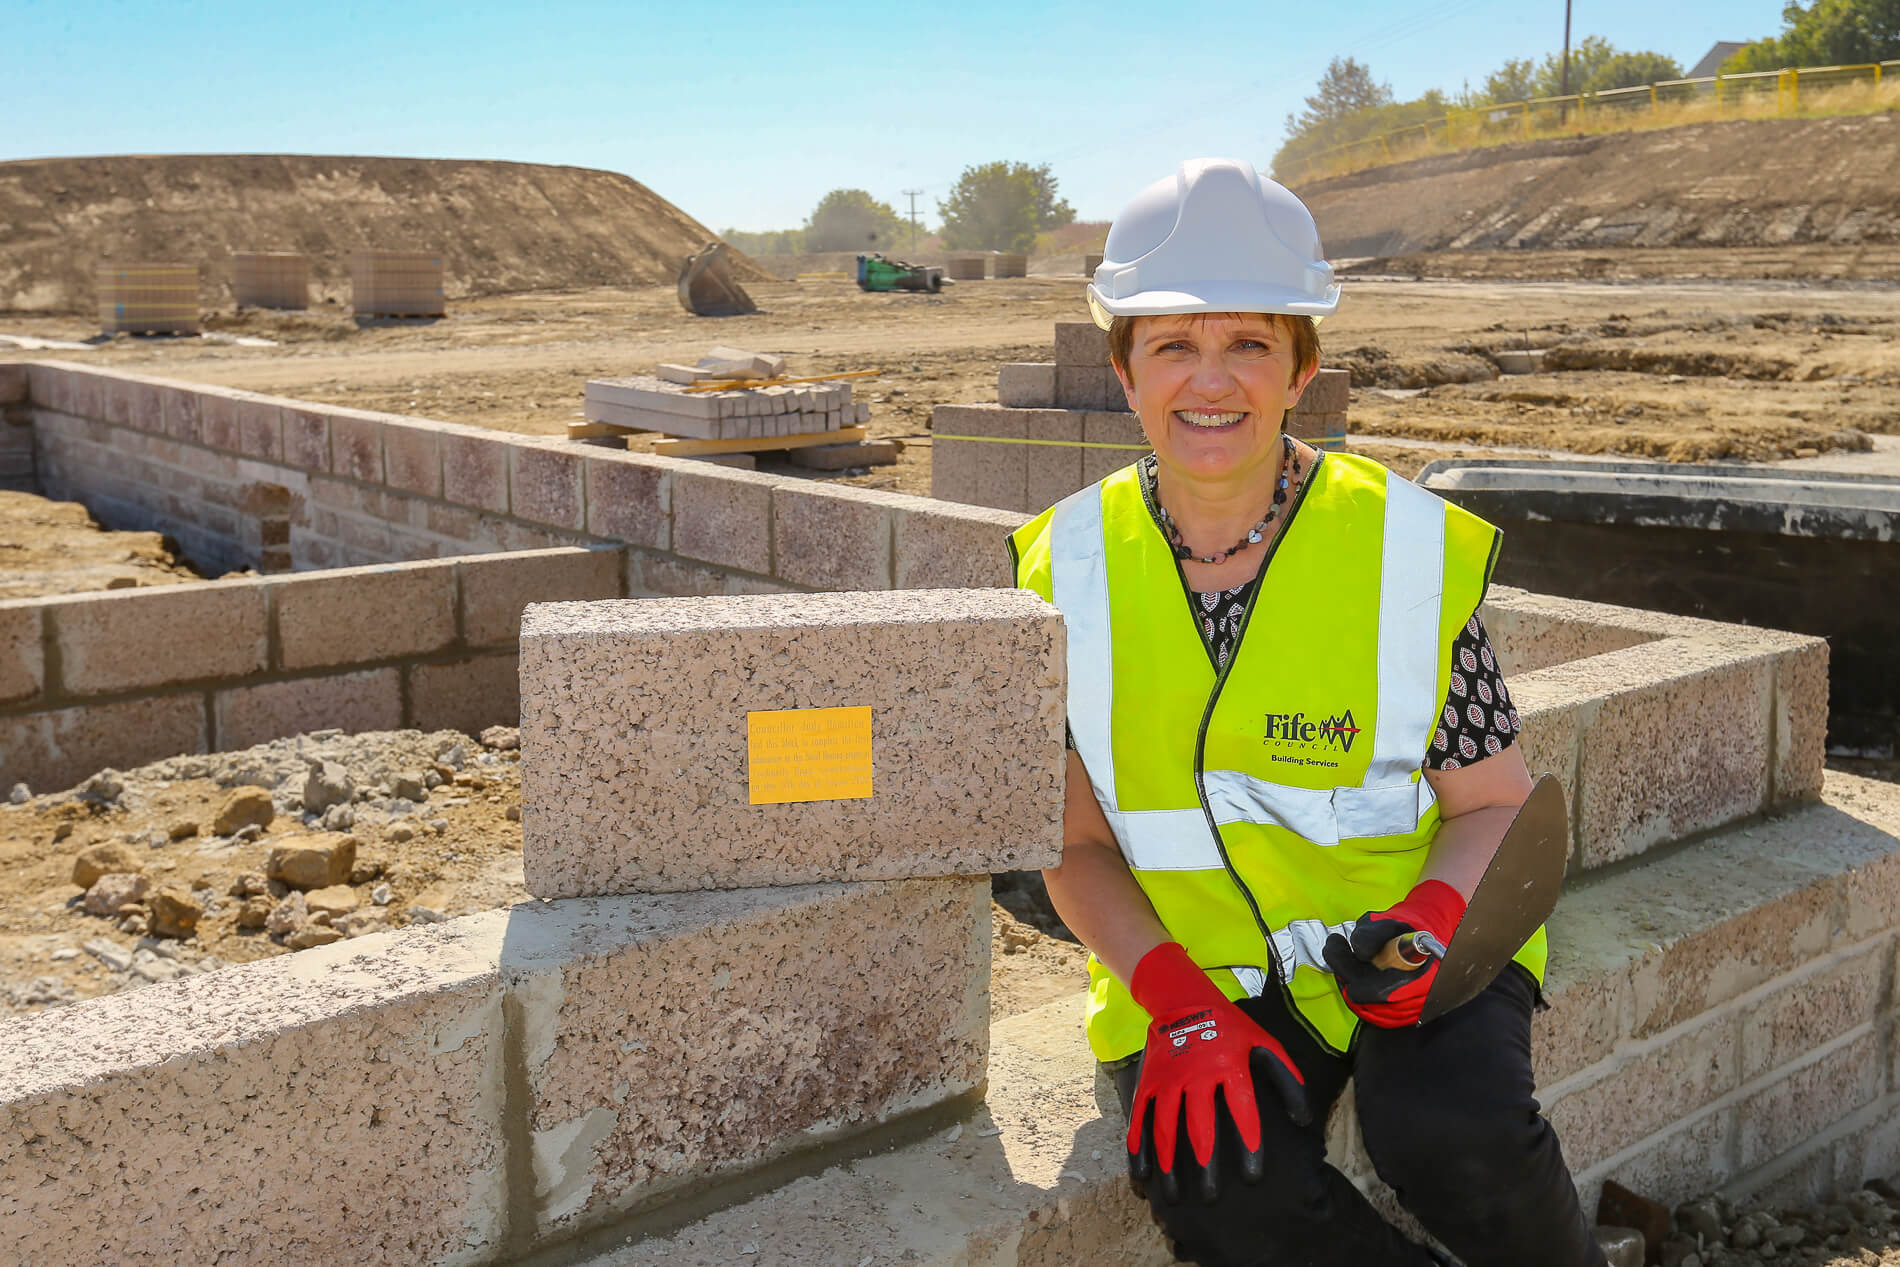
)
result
[(1744, 183), (501, 227)]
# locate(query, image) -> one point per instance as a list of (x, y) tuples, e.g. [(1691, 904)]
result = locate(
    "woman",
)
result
[(1291, 745)]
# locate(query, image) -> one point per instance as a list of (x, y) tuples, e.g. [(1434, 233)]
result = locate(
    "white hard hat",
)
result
[(1214, 237)]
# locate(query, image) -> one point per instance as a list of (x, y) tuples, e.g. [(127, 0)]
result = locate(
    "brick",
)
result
[(952, 547), (630, 499), (475, 470), (306, 439), (1330, 392), (495, 588), (621, 699), (546, 485), (980, 471), (260, 427), (23, 663), (1089, 388), (1081, 343), (412, 458), (354, 702), (365, 1070), (724, 518), (356, 445), (1810, 1098), (468, 695), (1800, 720), (107, 640), (831, 536), (1677, 742), (1647, 1093), (360, 614), (1026, 386), (887, 1016), (1051, 471), (56, 748), (1812, 1010)]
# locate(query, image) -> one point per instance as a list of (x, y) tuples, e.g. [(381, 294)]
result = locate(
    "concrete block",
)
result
[(12, 382), (218, 418), (23, 665), (147, 415), (412, 458), (1081, 343), (635, 725), (1672, 1166), (49, 386), (495, 588), (260, 427), (979, 470), (677, 1041), (1052, 469), (1110, 428), (125, 639), (58, 747), (1678, 744), (356, 444), (306, 439), (475, 469), (1026, 386), (830, 536), (1088, 387), (182, 411), (354, 702), (88, 394), (361, 614), (629, 498), (1589, 1014), (1330, 392), (663, 576), (545, 484), (724, 518), (1535, 631), (1812, 1010), (1800, 720), (1322, 431), (1824, 1090), (949, 546), (1637, 1097), (369, 1071), (468, 695), (115, 399)]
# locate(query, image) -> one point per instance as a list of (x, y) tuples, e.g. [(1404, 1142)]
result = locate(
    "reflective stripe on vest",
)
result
[(1390, 801)]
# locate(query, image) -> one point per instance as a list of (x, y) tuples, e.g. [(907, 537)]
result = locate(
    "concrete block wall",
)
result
[(16, 432), (122, 677)]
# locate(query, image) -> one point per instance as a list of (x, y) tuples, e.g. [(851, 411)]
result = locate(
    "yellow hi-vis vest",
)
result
[(1266, 806)]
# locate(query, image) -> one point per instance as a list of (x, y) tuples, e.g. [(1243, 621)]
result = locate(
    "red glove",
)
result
[(1388, 997), (1200, 1045)]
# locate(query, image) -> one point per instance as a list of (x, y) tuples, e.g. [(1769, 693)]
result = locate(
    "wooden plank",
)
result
[(595, 430), (756, 444)]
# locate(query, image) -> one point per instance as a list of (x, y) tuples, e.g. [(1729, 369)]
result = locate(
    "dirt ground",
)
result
[(49, 547)]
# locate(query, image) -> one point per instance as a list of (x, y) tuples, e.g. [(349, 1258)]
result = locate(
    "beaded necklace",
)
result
[(1255, 535)]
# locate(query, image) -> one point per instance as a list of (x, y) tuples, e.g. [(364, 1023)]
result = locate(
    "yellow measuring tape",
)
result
[(1061, 444)]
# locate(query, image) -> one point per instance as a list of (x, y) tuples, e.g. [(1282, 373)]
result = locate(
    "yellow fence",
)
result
[(1807, 90)]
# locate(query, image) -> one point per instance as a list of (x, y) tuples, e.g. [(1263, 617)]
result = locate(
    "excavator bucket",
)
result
[(707, 288)]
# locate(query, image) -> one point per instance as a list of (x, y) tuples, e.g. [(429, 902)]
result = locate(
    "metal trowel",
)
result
[(1514, 897)]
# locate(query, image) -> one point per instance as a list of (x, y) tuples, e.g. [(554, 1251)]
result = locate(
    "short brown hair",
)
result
[(1302, 331)]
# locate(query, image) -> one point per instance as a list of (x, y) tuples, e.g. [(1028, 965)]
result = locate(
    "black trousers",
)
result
[(1449, 1123)]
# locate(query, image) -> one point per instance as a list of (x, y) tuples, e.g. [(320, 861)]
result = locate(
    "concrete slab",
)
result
[(637, 774)]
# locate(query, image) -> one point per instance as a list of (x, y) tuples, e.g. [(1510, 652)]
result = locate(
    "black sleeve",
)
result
[(1477, 720)]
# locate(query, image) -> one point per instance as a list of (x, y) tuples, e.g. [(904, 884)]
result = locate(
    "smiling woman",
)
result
[(1238, 877)]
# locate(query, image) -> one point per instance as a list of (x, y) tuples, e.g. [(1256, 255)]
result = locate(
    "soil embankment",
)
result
[(501, 227), (1745, 183)]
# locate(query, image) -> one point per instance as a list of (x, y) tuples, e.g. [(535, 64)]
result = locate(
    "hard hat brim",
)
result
[(1213, 297)]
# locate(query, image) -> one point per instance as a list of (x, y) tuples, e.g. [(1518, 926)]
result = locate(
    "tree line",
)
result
[(1000, 206)]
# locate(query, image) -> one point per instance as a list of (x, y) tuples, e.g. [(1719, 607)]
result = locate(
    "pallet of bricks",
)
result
[(731, 405), (270, 279), (148, 298), (1059, 426), (397, 284)]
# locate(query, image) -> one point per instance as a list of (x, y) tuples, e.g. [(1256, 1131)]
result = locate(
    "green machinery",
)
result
[(877, 273)]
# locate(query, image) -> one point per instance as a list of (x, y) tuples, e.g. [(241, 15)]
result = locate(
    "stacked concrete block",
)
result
[(964, 268), (1320, 416), (636, 715), (397, 284), (1029, 385), (148, 298), (1084, 378), (270, 279), (1009, 264), (647, 403), (1091, 260), (16, 431)]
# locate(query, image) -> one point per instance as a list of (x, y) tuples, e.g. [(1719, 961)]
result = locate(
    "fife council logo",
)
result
[(1296, 728)]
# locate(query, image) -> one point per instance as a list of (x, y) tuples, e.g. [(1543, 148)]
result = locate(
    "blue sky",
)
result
[(745, 114)]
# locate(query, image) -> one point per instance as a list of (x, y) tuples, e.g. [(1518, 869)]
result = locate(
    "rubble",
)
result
[(313, 862), (114, 857), (113, 893), (175, 912), (244, 807)]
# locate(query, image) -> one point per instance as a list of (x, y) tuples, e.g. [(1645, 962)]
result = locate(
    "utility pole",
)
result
[(1565, 90), (912, 195)]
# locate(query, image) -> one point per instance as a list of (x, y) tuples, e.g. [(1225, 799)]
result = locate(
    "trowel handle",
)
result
[(1409, 952)]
